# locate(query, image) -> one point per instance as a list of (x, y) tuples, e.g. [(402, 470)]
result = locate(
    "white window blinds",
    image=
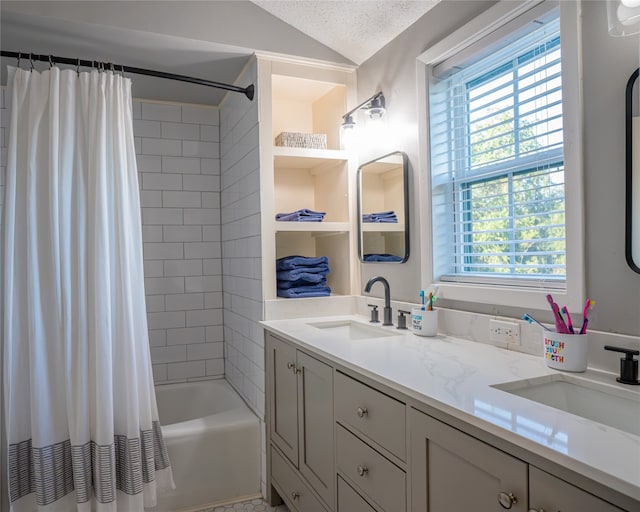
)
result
[(496, 146)]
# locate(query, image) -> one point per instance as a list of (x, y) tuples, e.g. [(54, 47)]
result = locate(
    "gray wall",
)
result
[(237, 23), (608, 62)]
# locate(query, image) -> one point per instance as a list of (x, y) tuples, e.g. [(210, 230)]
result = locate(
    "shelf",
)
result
[(308, 99), (382, 227), (305, 158), (312, 227)]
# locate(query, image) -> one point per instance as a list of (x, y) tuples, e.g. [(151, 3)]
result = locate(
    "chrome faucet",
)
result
[(387, 297)]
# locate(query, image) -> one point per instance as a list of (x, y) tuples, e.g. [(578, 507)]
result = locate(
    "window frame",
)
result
[(487, 29)]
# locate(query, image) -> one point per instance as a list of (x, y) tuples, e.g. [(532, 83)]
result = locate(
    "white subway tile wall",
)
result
[(241, 249), (180, 198)]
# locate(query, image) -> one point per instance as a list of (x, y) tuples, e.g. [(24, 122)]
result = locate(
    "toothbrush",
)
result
[(430, 307), (531, 320), (560, 325), (422, 300), (569, 323), (588, 305)]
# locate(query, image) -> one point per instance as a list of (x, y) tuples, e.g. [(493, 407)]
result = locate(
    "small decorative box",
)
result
[(302, 140)]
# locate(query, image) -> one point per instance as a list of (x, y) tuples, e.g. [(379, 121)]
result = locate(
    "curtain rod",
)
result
[(52, 59)]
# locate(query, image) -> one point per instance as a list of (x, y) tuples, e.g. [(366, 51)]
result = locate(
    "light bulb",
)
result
[(376, 109), (623, 17), (348, 136)]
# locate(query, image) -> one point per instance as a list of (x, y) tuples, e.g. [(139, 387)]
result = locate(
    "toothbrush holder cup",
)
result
[(566, 352), (423, 322)]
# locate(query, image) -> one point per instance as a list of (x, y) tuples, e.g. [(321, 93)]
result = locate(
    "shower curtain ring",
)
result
[(78, 67), (31, 61), (50, 62), (18, 63)]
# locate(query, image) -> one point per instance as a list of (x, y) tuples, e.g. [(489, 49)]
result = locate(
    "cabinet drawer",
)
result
[(378, 416), (291, 488), (547, 492), (349, 500), (370, 472)]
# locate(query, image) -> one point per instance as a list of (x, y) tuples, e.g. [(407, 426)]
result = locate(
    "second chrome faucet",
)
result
[(386, 315)]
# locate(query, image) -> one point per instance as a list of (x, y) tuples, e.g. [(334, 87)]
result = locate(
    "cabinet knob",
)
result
[(362, 412), (295, 495), (363, 470), (507, 499), (293, 367)]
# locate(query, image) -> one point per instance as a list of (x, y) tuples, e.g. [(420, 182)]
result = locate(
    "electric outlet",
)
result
[(508, 332)]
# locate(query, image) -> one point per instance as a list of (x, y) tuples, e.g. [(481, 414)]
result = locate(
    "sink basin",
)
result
[(608, 404), (352, 330)]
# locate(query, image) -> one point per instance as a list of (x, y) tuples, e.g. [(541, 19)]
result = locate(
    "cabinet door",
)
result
[(550, 494), (283, 396), (315, 405), (452, 471)]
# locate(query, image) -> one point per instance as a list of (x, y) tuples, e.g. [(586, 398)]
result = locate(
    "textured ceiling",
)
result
[(356, 29)]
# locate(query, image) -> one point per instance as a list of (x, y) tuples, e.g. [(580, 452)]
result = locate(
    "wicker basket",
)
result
[(302, 140)]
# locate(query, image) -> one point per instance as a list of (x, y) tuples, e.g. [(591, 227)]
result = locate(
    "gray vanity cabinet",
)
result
[(301, 421), (452, 471), (340, 442), (547, 493)]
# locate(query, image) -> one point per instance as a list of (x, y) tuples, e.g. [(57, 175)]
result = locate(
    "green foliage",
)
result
[(521, 234)]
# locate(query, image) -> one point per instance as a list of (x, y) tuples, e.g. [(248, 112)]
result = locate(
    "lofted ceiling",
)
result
[(207, 39), (356, 29)]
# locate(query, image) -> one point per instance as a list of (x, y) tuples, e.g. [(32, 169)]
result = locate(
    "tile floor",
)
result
[(247, 506)]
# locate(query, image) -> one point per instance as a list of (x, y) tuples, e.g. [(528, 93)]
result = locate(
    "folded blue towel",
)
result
[(389, 213), (305, 291), (292, 262), (389, 216), (304, 215), (283, 285), (381, 257), (313, 274)]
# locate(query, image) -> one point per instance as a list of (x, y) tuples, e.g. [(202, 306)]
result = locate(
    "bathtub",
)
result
[(213, 441)]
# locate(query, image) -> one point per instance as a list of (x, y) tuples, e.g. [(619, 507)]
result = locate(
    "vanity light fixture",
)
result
[(375, 105), (623, 17)]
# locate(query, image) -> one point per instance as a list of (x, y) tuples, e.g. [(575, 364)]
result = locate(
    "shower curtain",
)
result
[(81, 417)]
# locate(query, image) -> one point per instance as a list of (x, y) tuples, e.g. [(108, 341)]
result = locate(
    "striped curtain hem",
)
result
[(54, 471)]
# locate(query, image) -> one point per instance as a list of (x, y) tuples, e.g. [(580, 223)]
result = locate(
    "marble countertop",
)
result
[(456, 376)]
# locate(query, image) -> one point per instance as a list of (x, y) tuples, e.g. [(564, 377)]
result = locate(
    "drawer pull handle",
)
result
[(507, 499), (295, 495), (363, 470), (362, 412)]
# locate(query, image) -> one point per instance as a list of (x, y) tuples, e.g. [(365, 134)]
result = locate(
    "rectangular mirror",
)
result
[(632, 207), (383, 209)]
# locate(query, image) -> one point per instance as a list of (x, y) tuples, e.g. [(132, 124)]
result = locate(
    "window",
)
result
[(499, 161)]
